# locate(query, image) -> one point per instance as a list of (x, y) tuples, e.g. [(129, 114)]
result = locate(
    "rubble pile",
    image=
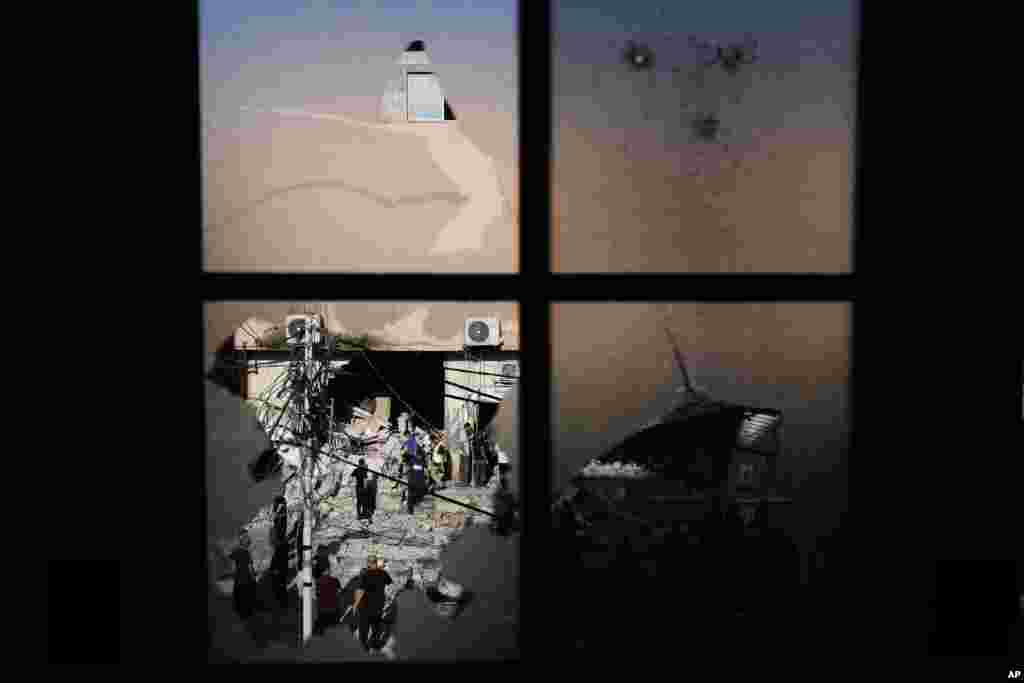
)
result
[(411, 545), (599, 469)]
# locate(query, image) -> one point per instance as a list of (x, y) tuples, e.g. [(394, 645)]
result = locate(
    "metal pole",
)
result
[(307, 530)]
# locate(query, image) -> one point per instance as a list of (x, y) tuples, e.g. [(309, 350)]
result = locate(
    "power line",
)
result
[(470, 389), (397, 395), (480, 372), (337, 458)]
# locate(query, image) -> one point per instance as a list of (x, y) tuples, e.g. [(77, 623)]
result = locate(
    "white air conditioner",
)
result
[(295, 328), (483, 332)]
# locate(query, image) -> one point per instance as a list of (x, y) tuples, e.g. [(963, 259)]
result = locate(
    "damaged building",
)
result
[(385, 376)]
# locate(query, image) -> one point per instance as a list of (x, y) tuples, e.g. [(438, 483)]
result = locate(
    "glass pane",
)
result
[(704, 137), (407, 441), (318, 154), (653, 492)]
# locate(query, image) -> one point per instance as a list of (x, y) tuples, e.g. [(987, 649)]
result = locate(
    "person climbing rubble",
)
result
[(328, 598), (439, 463), (370, 597), (504, 503), (360, 474), (469, 453), (280, 562), (244, 592), (371, 495), (417, 481)]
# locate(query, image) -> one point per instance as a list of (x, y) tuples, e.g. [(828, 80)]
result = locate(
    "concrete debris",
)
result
[(411, 545), (616, 469)]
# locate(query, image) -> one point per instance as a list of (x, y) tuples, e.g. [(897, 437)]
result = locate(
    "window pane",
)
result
[(408, 397), (730, 152), (368, 137)]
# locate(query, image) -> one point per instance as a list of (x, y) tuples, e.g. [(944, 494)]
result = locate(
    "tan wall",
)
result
[(396, 326)]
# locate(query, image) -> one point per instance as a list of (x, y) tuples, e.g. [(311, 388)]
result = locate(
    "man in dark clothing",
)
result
[(279, 570), (328, 604), (360, 476), (371, 495), (417, 482), (470, 455), (370, 605), (245, 581), (279, 564)]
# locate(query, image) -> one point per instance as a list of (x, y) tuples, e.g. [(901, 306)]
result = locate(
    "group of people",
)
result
[(422, 459), (370, 624), (369, 621)]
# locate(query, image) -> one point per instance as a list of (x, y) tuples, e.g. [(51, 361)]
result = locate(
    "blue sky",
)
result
[(276, 53), (221, 18)]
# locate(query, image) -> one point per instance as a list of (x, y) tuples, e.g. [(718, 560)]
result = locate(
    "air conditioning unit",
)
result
[(295, 328), (483, 332)]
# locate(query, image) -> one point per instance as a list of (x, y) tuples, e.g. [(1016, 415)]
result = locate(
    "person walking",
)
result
[(371, 495), (245, 580), (328, 601), (370, 599), (437, 465), (417, 481), (469, 454), (279, 563), (503, 501), (360, 474)]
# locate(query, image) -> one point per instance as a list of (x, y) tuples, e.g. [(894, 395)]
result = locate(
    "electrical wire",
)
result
[(304, 421), (397, 480), (397, 395)]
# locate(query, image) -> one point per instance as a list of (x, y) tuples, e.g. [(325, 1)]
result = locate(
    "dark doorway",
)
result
[(417, 378)]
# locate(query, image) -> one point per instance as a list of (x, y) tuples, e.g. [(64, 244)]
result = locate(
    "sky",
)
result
[(325, 179), (614, 371), (277, 53)]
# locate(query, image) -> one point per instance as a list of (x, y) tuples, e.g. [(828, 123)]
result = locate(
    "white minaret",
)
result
[(414, 95)]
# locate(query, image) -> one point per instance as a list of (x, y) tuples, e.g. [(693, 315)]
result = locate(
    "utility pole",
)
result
[(311, 337)]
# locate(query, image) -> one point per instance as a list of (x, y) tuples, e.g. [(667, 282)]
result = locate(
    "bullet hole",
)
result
[(731, 57), (638, 57), (706, 127), (735, 56)]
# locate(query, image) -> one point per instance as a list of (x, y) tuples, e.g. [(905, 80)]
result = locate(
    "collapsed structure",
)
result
[(673, 513), (362, 424), (704, 460)]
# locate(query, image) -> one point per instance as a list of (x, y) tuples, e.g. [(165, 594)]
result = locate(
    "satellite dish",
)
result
[(479, 331)]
